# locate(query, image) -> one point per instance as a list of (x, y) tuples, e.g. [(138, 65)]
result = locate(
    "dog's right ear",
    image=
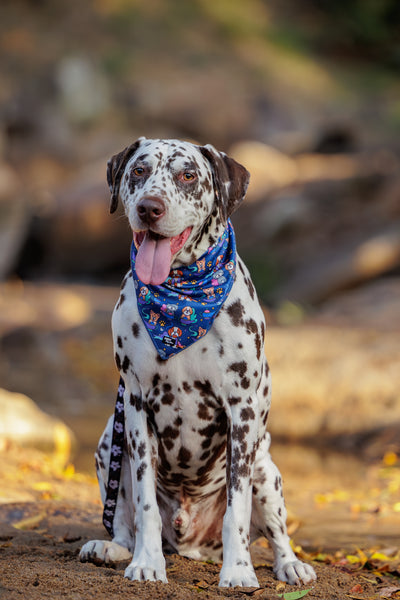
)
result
[(115, 169)]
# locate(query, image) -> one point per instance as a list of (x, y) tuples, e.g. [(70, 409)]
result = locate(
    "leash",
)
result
[(116, 453)]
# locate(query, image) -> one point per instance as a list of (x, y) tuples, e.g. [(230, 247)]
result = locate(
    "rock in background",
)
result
[(23, 423)]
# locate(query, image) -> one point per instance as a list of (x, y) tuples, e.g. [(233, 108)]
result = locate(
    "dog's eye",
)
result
[(138, 171), (187, 176)]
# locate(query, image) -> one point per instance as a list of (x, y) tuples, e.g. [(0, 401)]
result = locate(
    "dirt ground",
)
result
[(47, 512)]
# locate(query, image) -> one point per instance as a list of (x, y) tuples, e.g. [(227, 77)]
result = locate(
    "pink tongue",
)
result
[(153, 260)]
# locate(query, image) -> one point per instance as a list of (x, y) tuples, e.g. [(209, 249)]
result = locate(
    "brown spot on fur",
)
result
[(247, 414), (236, 311), (238, 367), (140, 472), (184, 457), (125, 364), (136, 401), (142, 449), (234, 400), (167, 398)]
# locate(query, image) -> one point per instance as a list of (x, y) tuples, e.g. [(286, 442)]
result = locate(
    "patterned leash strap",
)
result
[(114, 471)]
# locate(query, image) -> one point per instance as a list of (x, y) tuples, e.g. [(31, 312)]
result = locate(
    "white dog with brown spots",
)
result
[(196, 475)]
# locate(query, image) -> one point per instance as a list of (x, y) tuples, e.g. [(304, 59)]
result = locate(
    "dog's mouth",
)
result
[(155, 253)]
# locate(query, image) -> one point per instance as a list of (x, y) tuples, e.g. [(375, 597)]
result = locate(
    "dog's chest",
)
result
[(189, 421), (187, 397)]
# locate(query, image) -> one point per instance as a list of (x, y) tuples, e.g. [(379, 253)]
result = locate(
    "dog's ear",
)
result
[(230, 180), (115, 169)]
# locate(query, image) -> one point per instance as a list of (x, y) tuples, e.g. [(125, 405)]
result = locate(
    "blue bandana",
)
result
[(182, 310)]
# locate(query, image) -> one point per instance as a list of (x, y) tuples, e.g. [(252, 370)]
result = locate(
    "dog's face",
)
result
[(177, 197)]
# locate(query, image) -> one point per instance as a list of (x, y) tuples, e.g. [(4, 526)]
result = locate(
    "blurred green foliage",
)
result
[(264, 271), (363, 29)]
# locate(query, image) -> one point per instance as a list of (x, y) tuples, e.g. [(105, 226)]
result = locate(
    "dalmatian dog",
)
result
[(197, 477)]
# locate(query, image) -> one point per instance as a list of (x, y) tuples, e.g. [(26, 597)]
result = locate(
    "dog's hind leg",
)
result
[(122, 545)]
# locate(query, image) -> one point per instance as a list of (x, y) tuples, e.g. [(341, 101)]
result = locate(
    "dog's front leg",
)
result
[(148, 563), (237, 568)]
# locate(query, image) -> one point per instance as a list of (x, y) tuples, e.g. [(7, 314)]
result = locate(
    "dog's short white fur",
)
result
[(197, 475)]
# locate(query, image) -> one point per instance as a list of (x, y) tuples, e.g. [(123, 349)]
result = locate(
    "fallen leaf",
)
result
[(361, 559), (391, 551), (356, 589), (380, 556), (322, 557), (29, 522), (42, 486), (257, 592), (70, 537), (294, 595), (390, 459), (202, 585), (280, 587), (389, 591), (374, 581)]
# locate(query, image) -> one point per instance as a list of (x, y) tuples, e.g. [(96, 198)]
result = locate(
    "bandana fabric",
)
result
[(182, 310)]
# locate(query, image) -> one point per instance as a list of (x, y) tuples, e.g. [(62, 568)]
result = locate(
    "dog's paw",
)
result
[(147, 570), (239, 575), (295, 572), (101, 552)]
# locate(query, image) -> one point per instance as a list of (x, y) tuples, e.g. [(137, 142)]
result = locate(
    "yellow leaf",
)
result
[(63, 443), (352, 559), (69, 471), (340, 495), (380, 556), (320, 499), (322, 557), (298, 549), (390, 459), (29, 522), (363, 556), (42, 486)]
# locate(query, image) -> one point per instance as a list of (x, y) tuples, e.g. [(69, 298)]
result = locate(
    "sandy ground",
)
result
[(48, 512)]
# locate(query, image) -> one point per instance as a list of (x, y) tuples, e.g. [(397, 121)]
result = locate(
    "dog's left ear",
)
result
[(230, 180), (115, 169)]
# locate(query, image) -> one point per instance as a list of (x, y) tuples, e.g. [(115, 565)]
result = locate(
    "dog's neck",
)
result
[(200, 241)]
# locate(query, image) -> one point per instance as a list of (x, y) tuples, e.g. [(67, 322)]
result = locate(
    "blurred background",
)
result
[(306, 95)]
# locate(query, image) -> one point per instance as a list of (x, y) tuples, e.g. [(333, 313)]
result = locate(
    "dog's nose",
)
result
[(150, 209)]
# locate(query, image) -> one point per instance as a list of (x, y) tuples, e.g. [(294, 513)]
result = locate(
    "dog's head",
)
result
[(177, 197)]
